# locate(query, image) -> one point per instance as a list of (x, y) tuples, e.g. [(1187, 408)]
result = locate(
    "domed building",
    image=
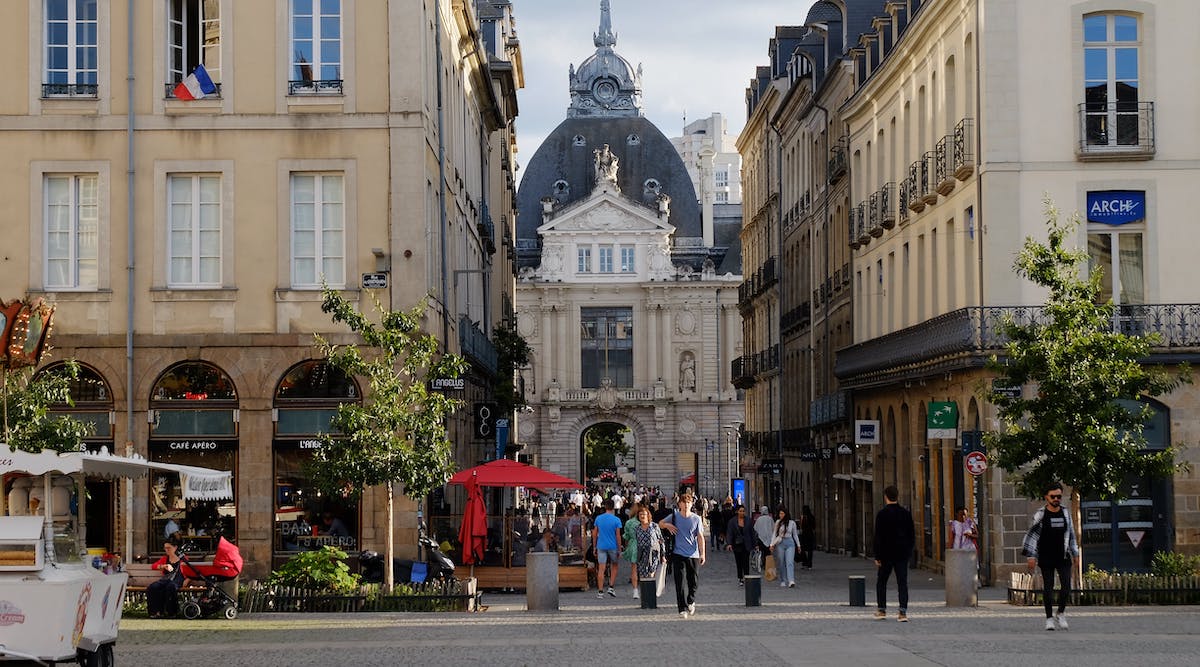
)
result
[(627, 294)]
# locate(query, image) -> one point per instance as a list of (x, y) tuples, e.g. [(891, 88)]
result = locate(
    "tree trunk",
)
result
[(389, 576), (1077, 519)]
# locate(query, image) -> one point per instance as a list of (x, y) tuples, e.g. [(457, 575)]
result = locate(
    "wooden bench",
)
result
[(142, 575)]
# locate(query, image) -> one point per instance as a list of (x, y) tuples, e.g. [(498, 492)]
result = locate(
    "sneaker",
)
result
[(783, 584), (611, 592), (791, 584), (741, 582), (691, 609), (600, 594), (880, 614), (683, 614), (636, 595), (903, 617), (1061, 619), (1050, 625)]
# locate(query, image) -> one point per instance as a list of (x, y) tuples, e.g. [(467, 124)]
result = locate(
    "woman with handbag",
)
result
[(784, 544), (648, 541)]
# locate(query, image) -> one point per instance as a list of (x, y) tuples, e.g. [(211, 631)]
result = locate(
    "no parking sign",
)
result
[(975, 463)]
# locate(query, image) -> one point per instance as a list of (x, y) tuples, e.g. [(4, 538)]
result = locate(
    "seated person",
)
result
[(333, 526), (162, 596), (548, 543)]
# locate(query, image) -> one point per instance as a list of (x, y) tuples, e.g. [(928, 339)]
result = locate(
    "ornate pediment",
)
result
[(607, 213)]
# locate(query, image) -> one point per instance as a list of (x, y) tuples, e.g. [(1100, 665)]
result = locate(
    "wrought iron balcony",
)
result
[(837, 163), (70, 90), (829, 408), (874, 227), (964, 338), (742, 373), (487, 231), (1122, 130), (475, 345), (887, 205), (943, 181), (317, 87), (797, 318), (964, 149), (903, 199), (858, 225), (917, 183), (928, 174)]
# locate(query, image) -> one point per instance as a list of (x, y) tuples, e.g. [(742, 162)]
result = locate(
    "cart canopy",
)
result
[(198, 483)]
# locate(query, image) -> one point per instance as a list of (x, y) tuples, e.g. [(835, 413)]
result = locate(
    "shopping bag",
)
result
[(661, 577), (770, 574)]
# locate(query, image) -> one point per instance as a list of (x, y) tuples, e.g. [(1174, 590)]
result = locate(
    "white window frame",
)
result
[(1110, 45), (297, 85), (194, 252), (320, 255), (628, 259), (606, 259), (73, 47), (1113, 270), (78, 239), (584, 264), (178, 58)]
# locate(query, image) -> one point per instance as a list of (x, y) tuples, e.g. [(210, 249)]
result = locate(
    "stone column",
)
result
[(962, 578), (541, 582)]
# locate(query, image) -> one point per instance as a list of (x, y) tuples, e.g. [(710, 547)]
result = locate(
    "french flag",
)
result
[(196, 86)]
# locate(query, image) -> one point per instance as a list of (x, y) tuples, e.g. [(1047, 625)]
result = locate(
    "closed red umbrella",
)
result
[(506, 472), (473, 532)]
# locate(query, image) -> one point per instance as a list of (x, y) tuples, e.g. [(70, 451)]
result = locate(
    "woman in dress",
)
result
[(647, 538), (630, 554), (784, 543)]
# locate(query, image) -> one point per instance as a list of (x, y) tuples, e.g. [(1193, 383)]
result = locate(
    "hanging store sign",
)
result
[(942, 420), (866, 432), (1116, 207)]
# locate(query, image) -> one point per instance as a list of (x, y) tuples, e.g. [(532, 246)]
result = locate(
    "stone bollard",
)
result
[(541, 582), (962, 578)]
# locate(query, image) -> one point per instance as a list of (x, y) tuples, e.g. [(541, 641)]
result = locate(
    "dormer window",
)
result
[(578, 140), (652, 187)]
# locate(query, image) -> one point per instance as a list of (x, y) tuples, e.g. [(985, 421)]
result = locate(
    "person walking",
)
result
[(606, 538), (784, 543), (649, 544), (739, 538), (1050, 545), (764, 526), (689, 553), (808, 537), (895, 538), (630, 552)]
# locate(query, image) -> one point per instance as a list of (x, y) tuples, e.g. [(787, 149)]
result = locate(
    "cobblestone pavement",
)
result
[(811, 624)]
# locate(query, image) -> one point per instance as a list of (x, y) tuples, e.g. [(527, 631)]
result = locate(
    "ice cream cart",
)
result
[(57, 604)]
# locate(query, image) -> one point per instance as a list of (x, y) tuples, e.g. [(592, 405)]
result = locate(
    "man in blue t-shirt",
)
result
[(689, 553), (606, 540)]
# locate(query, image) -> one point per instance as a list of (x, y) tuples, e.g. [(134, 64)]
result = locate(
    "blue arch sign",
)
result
[(1116, 207)]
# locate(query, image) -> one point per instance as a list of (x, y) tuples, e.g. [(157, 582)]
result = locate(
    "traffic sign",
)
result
[(976, 463)]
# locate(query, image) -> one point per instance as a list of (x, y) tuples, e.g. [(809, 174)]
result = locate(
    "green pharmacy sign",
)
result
[(942, 421)]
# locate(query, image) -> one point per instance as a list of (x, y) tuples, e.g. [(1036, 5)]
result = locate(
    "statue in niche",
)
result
[(606, 165), (687, 373)]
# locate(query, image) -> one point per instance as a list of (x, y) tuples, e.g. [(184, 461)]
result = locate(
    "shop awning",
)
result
[(198, 483)]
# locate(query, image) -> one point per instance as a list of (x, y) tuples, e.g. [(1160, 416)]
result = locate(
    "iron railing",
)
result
[(829, 408), (837, 162), (887, 205), (70, 90), (942, 181), (316, 87), (1117, 130), (874, 226), (964, 149), (917, 183), (170, 90), (928, 183), (475, 345), (978, 330)]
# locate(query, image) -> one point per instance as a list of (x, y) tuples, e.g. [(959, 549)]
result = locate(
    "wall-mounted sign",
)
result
[(771, 466), (1116, 207), (827, 453), (942, 420), (1008, 391), (845, 449), (374, 280), (808, 455), (866, 431), (443, 384)]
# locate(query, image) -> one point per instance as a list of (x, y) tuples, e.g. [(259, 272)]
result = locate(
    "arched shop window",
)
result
[(92, 403), (193, 421), (306, 399)]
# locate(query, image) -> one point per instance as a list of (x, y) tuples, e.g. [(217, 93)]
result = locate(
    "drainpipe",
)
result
[(984, 547), (130, 263), (445, 273), (777, 321)]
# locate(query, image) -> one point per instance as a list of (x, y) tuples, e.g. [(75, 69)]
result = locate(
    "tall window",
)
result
[(1110, 72), (194, 242), (721, 197), (194, 34), (606, 346), (721, 177), (71, 60), (72, 231), (316, 47), (606, 260), (318, 230), (585, 260), (627, 259), (1118, 254)]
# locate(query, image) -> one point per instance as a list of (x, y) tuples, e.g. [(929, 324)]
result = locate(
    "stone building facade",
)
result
[(185, 241), (626, 292)]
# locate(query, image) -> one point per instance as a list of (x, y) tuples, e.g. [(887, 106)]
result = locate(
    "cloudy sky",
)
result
[(697, 55)]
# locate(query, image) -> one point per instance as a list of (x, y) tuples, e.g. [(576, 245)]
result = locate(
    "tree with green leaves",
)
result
[(602, 444), (1075, 428), (397, 435), (29, 425)]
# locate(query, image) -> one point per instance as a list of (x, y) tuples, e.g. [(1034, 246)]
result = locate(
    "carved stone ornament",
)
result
[(687, 426), (685, 323), (527, 325), (606, 396)]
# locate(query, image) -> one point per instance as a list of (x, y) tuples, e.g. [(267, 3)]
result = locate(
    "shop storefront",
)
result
[(193, 421), (305, 518)]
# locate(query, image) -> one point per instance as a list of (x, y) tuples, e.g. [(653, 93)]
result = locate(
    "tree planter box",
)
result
[(432, 596), (1120, 589)]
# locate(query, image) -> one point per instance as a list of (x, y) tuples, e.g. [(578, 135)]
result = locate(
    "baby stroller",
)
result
[(226, 566)]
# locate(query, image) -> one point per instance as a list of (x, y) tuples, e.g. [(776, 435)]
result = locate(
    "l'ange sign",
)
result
[(1116, 207)]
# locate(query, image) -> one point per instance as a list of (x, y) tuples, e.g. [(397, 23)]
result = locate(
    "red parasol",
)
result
[(473, 532), (507, 472)]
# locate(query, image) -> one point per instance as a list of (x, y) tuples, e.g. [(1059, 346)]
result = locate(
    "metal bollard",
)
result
[(648, 590), (858, 591), (753, 585)]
